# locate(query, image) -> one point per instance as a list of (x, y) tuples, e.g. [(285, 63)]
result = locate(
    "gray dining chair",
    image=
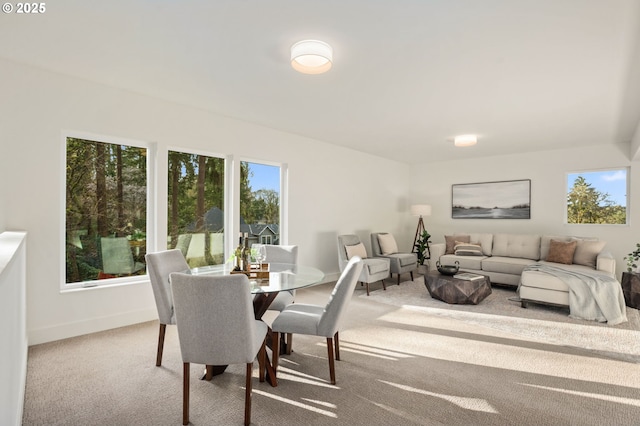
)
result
[(400, 263), (159, 266), (281, 254), (316, 320), (287, 254), (374, 269), (216, 326)]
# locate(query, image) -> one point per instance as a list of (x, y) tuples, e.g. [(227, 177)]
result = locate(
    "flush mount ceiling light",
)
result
[(311, 57), (465, 140)]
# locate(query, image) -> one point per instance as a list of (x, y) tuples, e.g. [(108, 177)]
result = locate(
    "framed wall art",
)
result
[(492, 200)]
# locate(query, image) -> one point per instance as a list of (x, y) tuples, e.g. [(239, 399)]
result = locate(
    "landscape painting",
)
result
[(492, 200)]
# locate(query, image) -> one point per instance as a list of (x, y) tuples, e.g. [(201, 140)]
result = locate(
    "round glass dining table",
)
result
[(272, 278)]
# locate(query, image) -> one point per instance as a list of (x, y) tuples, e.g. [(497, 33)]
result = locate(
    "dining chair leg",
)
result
[(289, 343), (332, 364), (262, 358), (337, 345), (209, 373), (185, 393), (247, 395), (275, 344), (163, 329)]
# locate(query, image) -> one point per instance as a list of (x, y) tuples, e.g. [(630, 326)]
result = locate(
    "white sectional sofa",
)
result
[(503, 257)]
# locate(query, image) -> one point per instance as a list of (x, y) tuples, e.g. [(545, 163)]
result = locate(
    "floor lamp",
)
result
[(420, 210)]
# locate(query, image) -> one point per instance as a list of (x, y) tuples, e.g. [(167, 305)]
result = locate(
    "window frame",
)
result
[(234, 198), (627, 171), (163, 183), (151, 242)]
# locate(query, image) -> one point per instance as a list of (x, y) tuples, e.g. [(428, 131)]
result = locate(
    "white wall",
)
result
[(331, 190), (547, 171)]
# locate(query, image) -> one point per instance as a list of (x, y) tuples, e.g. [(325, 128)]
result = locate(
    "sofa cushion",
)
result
[(546, 239), (376, 265), (451, 241), (587, 252), (485, 241), (467, 249), (561, 252), (387, 243), (525, 246), (505, 265), (539, 279), (404, 259), (356, 250), (466, 262)]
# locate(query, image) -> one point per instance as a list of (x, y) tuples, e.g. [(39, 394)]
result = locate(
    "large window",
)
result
[(597, 197), (195, 215), (260, 202), (106, 210)]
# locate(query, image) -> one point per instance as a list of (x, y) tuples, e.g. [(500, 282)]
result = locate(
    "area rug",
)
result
[(501, 312)]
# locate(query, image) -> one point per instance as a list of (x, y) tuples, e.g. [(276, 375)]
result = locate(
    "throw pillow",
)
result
[(587, 251), (387, 244), (561, 252), (356, 250), (451, 242), (467, 249)]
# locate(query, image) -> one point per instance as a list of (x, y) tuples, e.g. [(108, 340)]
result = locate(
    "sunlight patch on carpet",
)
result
[(474, 404), (610, 398), (296, 404)]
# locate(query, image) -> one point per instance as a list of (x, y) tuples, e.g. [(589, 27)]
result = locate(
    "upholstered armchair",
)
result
[(374, 269), (383, 245)]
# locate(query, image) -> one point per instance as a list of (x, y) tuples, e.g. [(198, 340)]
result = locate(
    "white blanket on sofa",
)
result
[(594, 297)]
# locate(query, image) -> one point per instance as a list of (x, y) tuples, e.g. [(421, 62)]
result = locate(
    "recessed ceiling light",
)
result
[(465, 140), (311, 57)]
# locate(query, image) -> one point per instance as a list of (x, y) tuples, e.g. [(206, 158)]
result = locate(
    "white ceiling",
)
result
[(408, 75)]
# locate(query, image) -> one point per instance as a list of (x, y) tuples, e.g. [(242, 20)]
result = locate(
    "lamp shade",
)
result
[(421, 210), (311, 57)]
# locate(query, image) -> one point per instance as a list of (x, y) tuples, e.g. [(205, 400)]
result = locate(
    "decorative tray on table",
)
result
[(256, 272)]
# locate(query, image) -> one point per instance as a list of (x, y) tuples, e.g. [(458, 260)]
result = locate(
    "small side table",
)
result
[(631, 289)]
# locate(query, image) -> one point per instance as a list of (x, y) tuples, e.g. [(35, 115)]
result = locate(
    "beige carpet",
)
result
[(501, 312), (401, 365)]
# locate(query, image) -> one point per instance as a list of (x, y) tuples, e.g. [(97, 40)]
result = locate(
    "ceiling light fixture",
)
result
[(311, 57), (465, 140)]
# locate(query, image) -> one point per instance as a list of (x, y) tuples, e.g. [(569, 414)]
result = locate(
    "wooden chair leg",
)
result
[(367, 289), (384, 287), (275, 345), (332, 366), (247, 395), (411, 272), (209, 374), (289, 343), (337, 345), (398, 279), (163, 329), (185, 393), (262, 360)]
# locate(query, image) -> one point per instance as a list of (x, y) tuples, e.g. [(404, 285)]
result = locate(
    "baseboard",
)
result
[(91, 325)]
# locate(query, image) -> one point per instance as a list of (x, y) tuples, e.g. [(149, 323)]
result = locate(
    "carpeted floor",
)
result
[(403, 362), (501, 311)]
